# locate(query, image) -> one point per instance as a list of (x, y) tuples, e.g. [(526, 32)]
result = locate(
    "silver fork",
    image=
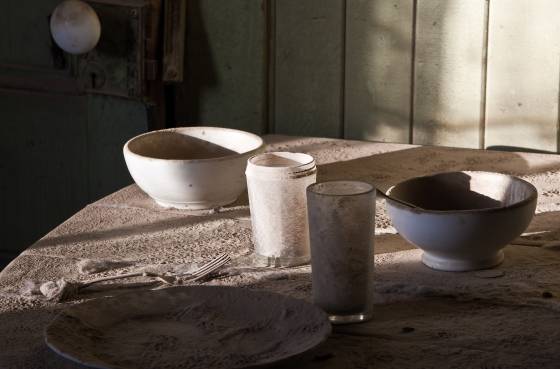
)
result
[(194, 276), (207, 268)]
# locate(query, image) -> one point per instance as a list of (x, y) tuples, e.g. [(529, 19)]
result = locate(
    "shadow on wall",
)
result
[(418, 78), (447, 80), (200, 68), (378, 70), (448, 74)]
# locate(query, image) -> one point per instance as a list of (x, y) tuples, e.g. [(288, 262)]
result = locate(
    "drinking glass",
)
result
[(341, 228)]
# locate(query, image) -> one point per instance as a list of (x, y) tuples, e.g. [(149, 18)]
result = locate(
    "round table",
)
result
[(423, 318)]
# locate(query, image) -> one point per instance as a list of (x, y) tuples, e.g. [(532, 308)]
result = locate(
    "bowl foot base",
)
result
[(194, 205), (461, 265)]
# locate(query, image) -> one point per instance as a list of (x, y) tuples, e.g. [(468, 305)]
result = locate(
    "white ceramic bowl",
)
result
[(191, 167), (464, 219)]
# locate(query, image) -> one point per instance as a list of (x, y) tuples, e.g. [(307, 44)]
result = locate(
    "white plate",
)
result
[(187, 327)]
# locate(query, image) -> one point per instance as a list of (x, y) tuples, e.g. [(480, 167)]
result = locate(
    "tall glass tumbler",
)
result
[(341, 228), (276, 182)]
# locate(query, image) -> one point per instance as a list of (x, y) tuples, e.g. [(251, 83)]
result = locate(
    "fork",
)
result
[(535, 243), (194, 276)]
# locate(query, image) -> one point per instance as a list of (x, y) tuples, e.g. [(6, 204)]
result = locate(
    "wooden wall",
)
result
[(57, 154), (474, 73), (60, 149)]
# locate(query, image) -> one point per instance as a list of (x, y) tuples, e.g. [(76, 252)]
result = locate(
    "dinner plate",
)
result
[(187, 327)]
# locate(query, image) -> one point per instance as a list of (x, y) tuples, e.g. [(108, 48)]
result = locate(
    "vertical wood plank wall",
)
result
[(226, 65), (60, 150), (477, 73), (308, 60), (523, 74), (59, 153), (379, 70), (448, 72)]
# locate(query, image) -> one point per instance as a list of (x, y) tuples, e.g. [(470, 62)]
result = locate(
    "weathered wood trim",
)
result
[(413, 70), (344, 28), (131, 3), (270, 47), (175, 17), (47, 85), (484, 83)]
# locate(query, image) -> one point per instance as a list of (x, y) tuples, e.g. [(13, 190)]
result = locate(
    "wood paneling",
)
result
[(111, 122), (43, 164), (57, 154), (378, 70), (523, 74), (25, 36), (387, 70), (225, 72), (28, 58), (60, 149), (449, 69), (308, 60)]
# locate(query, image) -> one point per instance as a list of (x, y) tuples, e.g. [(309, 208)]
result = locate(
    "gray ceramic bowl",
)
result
[(463, 220)]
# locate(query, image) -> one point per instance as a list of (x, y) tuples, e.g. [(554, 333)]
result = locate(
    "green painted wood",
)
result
[(523, 74), (449, 67), (59, 153), (43, 164), (378, 70), (225, 71), (28, 58), (111, 122), (308, 67), (25, 36)]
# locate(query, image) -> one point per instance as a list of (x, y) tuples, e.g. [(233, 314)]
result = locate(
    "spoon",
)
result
[(402, 202)]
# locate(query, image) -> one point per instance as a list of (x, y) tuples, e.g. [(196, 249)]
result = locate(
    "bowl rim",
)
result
[(532, 198), (127, 151)]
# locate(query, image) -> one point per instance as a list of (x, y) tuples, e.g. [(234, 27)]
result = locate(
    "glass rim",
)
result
[(296, 156), (369, 188)]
